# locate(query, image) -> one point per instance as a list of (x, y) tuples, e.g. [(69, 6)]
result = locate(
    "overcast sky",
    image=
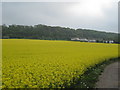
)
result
[(99, 15)]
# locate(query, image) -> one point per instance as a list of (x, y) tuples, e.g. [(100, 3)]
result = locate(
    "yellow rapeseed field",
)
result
[(45, 64)]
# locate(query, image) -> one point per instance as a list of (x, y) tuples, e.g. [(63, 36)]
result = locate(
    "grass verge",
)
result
[(91, 76)]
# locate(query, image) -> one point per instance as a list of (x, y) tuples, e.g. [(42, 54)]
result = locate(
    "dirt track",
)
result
[(109, 78)]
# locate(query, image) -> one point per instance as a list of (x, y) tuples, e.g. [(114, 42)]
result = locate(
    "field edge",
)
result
[(91, 75)]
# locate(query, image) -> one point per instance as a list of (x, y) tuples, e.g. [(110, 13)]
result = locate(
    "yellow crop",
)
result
[(44, 64)]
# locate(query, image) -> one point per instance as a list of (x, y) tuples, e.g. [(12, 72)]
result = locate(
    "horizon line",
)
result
[(66, 27)]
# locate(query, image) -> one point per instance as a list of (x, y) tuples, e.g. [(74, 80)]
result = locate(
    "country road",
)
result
[(109, 77)]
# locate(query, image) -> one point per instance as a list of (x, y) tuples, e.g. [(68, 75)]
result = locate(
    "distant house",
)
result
[(91, 40), (106, 41), (111, 41), (75, 39), (84, 40)]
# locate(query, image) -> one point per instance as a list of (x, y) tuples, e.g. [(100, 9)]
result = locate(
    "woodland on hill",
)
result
[(45, 32)]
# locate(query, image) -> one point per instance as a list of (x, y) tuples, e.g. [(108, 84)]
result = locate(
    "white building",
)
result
[(91, 40), (75, 39), (84, 40), (111, 41)]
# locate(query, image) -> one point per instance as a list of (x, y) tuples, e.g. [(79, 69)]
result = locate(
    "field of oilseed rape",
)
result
[(49, 64)]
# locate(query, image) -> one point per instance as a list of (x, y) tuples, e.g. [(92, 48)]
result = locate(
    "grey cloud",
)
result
[(50, 13)]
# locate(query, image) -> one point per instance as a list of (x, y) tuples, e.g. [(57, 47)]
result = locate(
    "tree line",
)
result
[(45, 32)]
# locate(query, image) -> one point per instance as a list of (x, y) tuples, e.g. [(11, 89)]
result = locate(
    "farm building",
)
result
[(111, 41), (82, 40), (75, 39), (91, 40)]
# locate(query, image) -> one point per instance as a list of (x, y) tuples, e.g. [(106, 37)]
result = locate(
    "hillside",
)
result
[(45, 32)]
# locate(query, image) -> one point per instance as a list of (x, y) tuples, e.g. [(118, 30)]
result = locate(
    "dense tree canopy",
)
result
[(53, 33)]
